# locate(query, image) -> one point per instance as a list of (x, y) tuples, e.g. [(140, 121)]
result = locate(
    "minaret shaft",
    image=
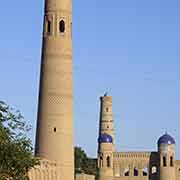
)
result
[(106, 139), (106, 123), (55, 135)]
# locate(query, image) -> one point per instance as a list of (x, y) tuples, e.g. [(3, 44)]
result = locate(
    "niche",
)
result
[(61, 26), (136, 172)]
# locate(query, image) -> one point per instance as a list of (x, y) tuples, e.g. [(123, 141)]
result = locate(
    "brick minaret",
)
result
[(106, 123), (106, 139), (55, 136)]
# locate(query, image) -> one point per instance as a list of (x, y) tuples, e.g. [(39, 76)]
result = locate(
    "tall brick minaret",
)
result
[(106, 122), (55, 136), (106, 139)]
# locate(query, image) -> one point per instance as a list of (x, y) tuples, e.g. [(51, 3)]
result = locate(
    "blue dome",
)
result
[(166, 139), (105, 138)]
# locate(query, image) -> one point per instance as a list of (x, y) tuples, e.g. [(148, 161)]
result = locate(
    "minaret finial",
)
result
[(106, 93)]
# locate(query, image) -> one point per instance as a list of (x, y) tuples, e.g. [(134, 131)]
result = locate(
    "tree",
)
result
[(84, 164), (16, 157)]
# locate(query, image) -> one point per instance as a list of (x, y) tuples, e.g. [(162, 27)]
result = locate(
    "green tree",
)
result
[(83, 163), (16, 157)]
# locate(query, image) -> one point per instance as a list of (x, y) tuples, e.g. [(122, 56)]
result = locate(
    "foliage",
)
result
[(16, 157), (84, 164)]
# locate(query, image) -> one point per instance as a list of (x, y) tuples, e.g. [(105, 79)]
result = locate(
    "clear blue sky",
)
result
[(129, 48)]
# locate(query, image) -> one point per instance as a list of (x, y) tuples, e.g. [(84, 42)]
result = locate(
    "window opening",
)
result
[(48, 26), (126, 173), (171, 161), (62, 26), (135, 171), (108, 162), (164, 161), (54, 129), (101, 161), (145, 171)]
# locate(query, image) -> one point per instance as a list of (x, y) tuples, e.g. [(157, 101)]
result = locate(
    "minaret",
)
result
[(106, 139), (166, 149), (55, 136), (106, 123)]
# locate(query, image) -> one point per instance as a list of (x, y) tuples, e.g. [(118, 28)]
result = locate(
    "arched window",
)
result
[(107, 109), (135, 171), (108, 161), (101, 161), (164, 161), (62, 26), (48, 26), (145, 171), (126, 172), (171, 161)]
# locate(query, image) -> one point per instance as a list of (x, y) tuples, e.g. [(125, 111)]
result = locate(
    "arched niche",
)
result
[(62, 26), (145, 171)]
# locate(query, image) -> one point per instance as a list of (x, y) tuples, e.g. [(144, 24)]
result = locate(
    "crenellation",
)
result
[(132, 154)]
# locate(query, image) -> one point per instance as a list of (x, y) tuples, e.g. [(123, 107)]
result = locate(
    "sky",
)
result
[(131, 49)]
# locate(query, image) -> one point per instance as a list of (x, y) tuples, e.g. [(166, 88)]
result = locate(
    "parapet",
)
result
[(132, 155)]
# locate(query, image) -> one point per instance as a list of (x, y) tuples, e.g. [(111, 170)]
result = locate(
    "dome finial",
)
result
[(106, 93)]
